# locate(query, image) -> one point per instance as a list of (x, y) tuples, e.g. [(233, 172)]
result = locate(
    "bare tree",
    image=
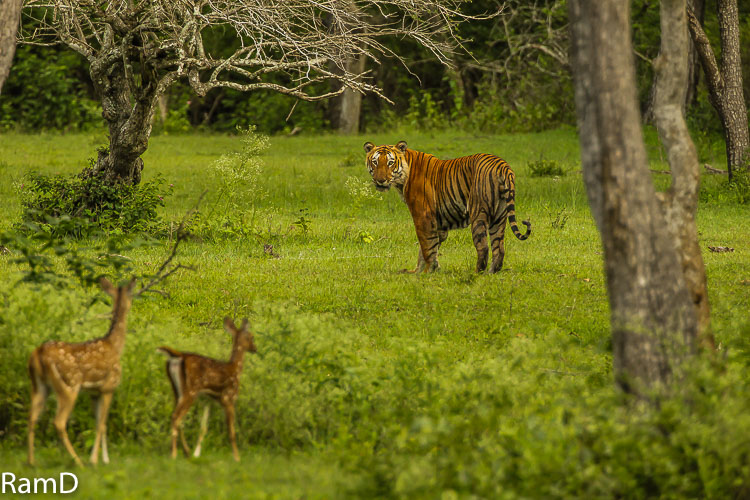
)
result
[(10, 15), (137, 50), (528, 37), (653, 316), (725, 83)]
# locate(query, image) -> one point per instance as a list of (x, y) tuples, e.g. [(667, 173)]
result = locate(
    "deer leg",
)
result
[(105, 454), (229, 411), (181, 408), (102, 410), (204, 429), (38, 397), (66, 400)]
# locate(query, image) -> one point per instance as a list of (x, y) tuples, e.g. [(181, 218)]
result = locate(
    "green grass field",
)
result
[(371, 383)]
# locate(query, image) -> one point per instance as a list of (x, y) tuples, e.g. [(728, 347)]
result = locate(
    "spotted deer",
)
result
[(193, 374), (67, 367)]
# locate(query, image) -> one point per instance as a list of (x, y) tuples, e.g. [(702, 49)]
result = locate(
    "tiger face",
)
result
[(387, 165)]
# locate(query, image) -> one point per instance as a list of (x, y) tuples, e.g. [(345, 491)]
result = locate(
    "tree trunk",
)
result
[(129, 125), (346, 108), (725, 83), (654, 325), (681, 201), (693, 78), (691, 89), (10, 17)]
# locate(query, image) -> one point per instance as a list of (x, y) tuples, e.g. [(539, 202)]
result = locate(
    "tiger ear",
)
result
[(369, 146), (401, 146)]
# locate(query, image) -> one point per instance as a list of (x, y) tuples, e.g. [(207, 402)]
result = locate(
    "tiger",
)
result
[(476, 190)]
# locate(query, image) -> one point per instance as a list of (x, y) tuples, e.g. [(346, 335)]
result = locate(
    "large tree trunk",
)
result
[(725, 84), (653, 321), (129, 121), (10, 17), (681, 201)]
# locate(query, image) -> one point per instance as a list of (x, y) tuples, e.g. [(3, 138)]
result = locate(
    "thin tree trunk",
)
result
[(694, 66), (653, 322), (681, 201), (725, 83), (10, 17), (348, 106)]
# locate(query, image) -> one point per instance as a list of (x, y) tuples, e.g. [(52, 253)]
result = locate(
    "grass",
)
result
[(369, 382)]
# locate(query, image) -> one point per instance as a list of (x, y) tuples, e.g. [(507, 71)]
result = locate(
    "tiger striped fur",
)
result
[(476, 190)]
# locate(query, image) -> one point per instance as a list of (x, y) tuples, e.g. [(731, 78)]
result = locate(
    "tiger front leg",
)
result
[(429, 244), (420, 264)]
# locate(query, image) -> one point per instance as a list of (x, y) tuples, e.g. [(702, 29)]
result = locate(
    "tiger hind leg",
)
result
[(479, 237), (497, 237)]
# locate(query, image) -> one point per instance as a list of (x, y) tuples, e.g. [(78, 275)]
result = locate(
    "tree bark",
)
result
[(725, 82), (346, 108), (693, 78), (694, 66), (10, 17), (129, 120), (654, 326), (680, 203)]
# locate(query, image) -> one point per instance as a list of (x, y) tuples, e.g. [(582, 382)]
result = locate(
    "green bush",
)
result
[(46, 90), (716, 188), (411, 421), (119, 208), (545, 168)]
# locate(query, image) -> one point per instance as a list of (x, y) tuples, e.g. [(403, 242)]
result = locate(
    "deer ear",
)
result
[(229, 325), (369, 146), (243, 327), (401, 146), (108, 287), (131, 285)]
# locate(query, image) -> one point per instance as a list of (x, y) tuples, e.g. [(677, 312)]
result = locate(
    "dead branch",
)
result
[(164, 270), (712, 170), (164, 41)]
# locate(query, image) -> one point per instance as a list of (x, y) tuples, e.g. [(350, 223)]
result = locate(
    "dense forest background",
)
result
[(512, 76)]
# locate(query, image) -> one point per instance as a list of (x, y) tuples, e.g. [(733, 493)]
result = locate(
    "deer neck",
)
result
[(118, 327), (236, 358)]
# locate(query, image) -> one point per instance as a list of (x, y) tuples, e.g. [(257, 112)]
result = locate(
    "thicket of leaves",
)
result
[(423, 424), (87, 204)]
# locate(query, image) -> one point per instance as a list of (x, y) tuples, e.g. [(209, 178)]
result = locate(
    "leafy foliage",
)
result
[(450, 385), (47, 90), (545, 168), (81, 205), (44, 249)]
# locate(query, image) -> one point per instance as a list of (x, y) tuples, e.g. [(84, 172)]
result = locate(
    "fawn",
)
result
[(193, 374), (66, 368)]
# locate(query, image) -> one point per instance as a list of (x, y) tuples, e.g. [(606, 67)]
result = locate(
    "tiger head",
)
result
[(387, 165)]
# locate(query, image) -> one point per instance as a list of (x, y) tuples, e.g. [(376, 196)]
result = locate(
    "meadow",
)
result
[(368, 382)]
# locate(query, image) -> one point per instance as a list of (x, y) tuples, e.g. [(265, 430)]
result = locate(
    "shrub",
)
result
[(92, 204), (47, 90), (545, 168)]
